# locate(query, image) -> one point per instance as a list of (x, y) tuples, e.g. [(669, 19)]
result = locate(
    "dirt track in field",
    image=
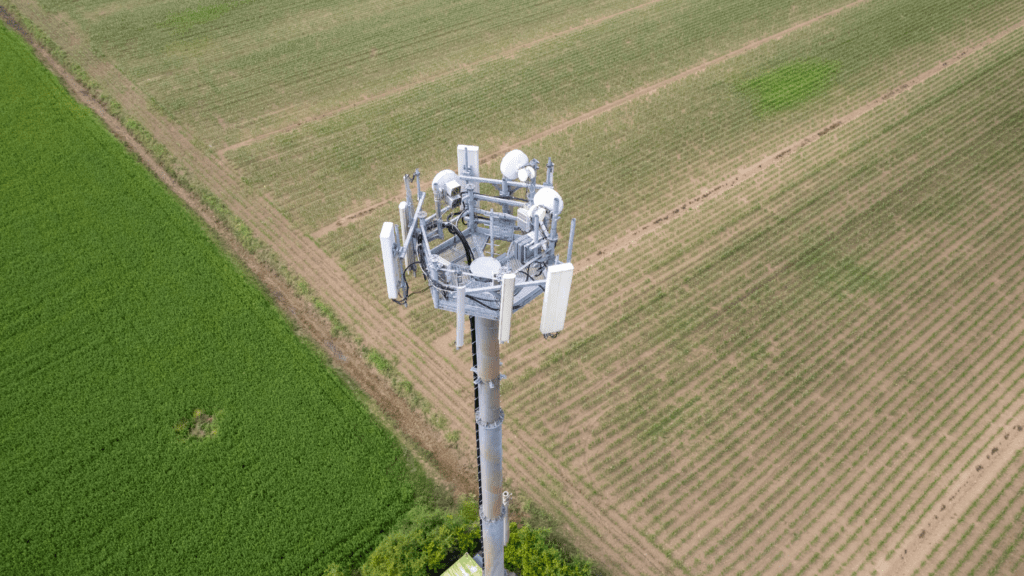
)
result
[(435, 366), (964, 490)]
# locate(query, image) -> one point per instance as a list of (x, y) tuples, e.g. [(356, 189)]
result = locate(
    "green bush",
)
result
[(427, 541), (424, 543), (530, 552)]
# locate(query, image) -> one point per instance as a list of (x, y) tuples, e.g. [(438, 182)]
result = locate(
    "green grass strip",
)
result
[(121, 320)]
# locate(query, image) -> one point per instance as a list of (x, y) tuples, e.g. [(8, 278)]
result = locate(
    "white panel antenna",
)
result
[(460, 317), (556, 298), (469, 160), (508, 287), (387, 248)]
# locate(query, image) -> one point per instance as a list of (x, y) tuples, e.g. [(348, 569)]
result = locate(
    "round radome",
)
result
[(443, 177), (512, 162), (548, 198), (485, 267)]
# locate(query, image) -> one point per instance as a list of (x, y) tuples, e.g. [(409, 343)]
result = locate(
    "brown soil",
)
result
[(964, 490), (346, 220), (202, 427), (636, 94)]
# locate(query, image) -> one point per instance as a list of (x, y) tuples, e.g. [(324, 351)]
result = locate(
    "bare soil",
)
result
[(968, 486), (641, 92), (202, 426)]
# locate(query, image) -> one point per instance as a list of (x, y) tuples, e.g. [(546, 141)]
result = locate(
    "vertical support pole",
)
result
[(572, 234), (469, 165), (403, 220), (489, 418), (408, 219)]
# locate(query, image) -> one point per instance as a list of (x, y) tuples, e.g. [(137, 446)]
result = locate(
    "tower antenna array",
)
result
[(485, 254)]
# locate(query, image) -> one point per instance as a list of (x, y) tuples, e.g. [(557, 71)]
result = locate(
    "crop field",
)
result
[(795, 342), (160, 415)]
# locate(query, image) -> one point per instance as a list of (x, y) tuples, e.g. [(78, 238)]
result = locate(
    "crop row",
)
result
[(318, 172), (599, 352)]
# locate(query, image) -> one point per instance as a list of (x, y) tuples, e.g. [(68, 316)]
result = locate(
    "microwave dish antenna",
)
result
[(513, 162), (487, 256)]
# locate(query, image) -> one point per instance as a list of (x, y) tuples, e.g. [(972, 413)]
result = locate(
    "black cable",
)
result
[(465, 244), (480, 302), (405, 283)]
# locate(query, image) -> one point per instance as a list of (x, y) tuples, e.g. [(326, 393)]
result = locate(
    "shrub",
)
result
[(530, 552), (424, 543)]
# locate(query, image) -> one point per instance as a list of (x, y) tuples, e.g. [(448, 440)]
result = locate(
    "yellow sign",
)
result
[(464, 566)]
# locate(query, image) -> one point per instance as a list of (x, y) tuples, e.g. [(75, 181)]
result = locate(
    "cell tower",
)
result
[(485, 255)]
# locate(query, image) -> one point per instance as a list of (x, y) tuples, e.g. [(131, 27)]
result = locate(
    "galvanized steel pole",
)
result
[(489, 418)]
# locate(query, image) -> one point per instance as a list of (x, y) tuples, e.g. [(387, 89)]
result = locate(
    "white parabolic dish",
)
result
[(549, 199), (512, 162)]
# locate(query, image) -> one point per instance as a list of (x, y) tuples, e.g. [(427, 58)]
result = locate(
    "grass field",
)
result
[(124, 330), (794, 345)]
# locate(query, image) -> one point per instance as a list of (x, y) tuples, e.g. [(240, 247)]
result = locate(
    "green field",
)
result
[(794, 344), (121, 319)]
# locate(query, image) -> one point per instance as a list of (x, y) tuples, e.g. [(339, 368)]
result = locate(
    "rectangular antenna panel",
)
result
[(504, 226), (508, 287), (387, 248), (524, 220), (460, 316), (556, 298), (469, 160)]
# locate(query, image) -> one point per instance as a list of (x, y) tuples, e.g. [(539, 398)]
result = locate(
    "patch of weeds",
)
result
[(790, 85), (386, 367), (438, 421), (199, 426), (452, 438)]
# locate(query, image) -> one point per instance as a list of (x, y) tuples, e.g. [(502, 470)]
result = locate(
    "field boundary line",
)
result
[(651, 89), (509, 53), (780, 156), (349, 219)]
